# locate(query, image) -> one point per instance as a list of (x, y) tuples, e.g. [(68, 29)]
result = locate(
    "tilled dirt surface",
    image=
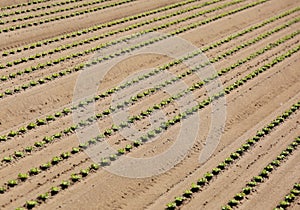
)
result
[(222, 126)]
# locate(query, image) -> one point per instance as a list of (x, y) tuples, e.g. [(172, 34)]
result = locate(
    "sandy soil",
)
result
[(248, 109)]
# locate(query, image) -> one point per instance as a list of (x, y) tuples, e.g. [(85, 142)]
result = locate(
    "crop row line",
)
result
[(131, 119), (249, 143), (104, 25), (93, 39), (37, 8), (62, 17), (150, 91), (28, 17), (84, 123), (233, 158), (140, 45), (101, 36), (107, 93), (60, 74), (54, 159), (289, 198), (76, 177), (164, 126), (180, 76), (34, 2), (263, 176), (153, 90), (114, 128)]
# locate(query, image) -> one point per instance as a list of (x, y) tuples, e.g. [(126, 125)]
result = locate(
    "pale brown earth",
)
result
[(247, 109)]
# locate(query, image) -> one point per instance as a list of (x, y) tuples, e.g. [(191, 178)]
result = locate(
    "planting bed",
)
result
[(247, 127)]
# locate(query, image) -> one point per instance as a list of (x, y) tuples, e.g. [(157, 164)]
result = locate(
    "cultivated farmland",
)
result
[(135, 104)]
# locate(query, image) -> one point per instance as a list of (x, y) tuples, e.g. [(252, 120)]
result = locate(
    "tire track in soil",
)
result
[(23, 37), (224, 187), (72, 62), (131, 189), (270, 193), (97, 32), (53, 101), (137, 189), (137, 110), (226, 147), (56, 12)]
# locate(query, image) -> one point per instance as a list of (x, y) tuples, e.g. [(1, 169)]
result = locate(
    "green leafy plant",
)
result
[(2, 190), (258, 179), (105, 162), (54, 190), (95, 166), (171, 206), (45, 166), (34, 171), (84, 172), (187, 194), (233, 202), (28, 149), (247, 190), (65, 184), (75, 150), (31, 204), (195, 187), (179, 200), (239, 196), (23, 177), (43, 197), (75, 177), (121, 151), (208, 176), (7, 159), (56, 160), (12, 183)]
